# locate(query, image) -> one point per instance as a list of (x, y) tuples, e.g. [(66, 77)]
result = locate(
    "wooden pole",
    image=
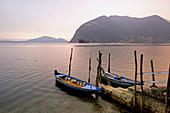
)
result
[(97, 77), (153, 75), (100, 62), (135, 78), (97, 81), (89, 67), (98, 71), (70, 61), (109, 64), (141, 79), (168, 94)]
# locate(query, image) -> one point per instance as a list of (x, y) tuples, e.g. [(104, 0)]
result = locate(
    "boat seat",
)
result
[(84, 84), (79, 83), (69, 79), (74, 81)]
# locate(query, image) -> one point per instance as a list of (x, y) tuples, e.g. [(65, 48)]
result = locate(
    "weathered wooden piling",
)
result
[(70, 62), (135, 79), (97, 81), (141, 80), (168, 93), (153, 75), (98, 73), (89, 67), (109, 64), (97, 77), (100, 63)]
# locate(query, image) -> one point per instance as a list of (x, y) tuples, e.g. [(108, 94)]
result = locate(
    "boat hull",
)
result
[(119, 81), (116, 83), (90, 89)]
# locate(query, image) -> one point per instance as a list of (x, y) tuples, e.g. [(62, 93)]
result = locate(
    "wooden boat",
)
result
[(119, 81), (76, 84)]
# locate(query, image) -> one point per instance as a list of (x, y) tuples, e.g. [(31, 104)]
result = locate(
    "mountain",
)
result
[(43, 39), (46, 39), (168, 21), (152, 29), (6, 41)]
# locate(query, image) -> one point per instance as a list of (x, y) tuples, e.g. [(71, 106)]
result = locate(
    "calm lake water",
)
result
[(27, 83)]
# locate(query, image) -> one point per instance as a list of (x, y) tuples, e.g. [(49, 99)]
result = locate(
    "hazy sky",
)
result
[(27, 19)]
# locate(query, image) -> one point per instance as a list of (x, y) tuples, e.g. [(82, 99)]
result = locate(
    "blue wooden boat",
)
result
[(76, 84), (119, 81)]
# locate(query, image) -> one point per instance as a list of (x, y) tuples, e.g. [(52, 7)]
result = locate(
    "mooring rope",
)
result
[(163, 72), (155, 81)]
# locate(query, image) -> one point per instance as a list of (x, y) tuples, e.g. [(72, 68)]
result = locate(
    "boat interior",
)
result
[(73, 82)]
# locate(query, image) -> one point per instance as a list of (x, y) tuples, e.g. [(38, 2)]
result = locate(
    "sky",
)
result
[(28, 19)]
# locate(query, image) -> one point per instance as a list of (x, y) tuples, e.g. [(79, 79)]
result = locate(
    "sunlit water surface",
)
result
[(27, 83)]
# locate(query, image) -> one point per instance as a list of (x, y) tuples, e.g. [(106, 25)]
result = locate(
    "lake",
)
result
[(27, 83)]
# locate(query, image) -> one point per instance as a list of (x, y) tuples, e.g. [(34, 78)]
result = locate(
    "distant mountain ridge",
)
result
[(152, 29), (43, 39)]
